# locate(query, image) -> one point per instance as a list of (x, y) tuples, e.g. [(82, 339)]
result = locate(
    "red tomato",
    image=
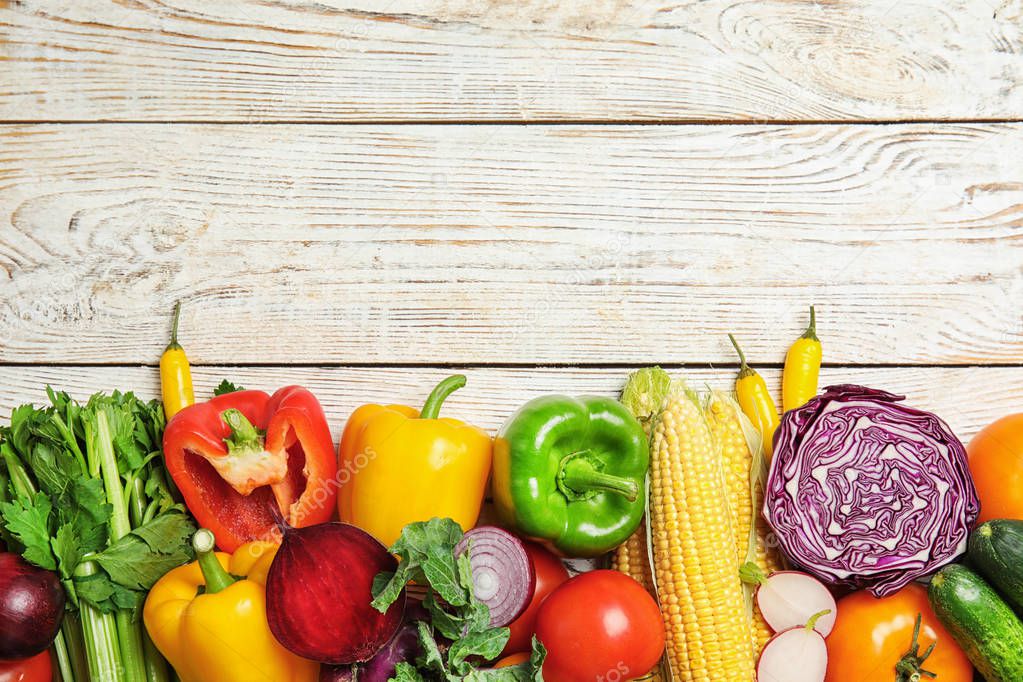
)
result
[(996, 463), (871, 636), (34, 669), (550, 573), (601, 626)]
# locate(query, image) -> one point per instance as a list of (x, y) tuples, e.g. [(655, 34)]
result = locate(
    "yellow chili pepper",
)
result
[(221, 634), (175, 374), (802, 368), (397, 465), (755, 400)]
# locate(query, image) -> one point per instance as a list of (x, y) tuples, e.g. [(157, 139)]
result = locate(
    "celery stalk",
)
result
[(101, 643), (128, 628)]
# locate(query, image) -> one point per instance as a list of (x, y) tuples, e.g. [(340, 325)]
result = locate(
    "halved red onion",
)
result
[(502, 573)]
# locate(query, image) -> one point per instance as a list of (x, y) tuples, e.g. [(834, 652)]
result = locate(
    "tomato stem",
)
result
[(910, 666)]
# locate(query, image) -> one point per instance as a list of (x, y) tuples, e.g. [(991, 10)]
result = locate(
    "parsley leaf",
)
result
[(427, 556), (142, 557), (28, 520), (225, 387)]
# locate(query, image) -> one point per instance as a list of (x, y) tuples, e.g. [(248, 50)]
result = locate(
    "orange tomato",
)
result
[(871, 635), (996, 463), (514, 659)]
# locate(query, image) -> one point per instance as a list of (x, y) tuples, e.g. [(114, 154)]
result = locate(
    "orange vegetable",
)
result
[(514, 659), (871, 636), (996, 463)]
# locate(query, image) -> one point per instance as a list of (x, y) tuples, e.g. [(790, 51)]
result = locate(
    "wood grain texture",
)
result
[(359, 60), (967, 398), (505, 245)]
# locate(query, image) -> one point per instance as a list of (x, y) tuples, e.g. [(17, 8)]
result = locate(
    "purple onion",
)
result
[(502, 573)]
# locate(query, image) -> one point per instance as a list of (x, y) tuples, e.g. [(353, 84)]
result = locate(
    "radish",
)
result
[(798, 654), (787, 599)]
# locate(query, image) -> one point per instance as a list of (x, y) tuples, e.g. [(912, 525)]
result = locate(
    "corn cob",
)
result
[(695, 563), (632, 559), (743, 458)]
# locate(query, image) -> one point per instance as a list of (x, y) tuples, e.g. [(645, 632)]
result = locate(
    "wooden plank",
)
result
[(359, 60), (967, 398), (508, 245)]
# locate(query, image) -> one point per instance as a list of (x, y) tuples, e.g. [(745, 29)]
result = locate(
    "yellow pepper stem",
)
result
[(217, 579), (431, 409)]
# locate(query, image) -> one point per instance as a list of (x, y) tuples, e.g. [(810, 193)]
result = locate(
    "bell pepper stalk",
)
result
[(240, 456), (399, 465), (208, 618), (570, 473)]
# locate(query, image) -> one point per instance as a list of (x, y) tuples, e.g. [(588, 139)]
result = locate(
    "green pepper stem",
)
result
[(752, 574), (213, 573), (244, 436), (580, 476), (431, 408), (811, 329), (174, 345), (744, 369)]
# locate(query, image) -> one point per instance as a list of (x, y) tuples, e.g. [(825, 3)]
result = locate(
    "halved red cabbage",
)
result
[(864, 492)]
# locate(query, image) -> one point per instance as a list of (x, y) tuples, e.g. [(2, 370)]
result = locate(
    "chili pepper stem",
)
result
[(811, 329), (581, 477), (174, 345), (431, 408), (744, 369), (213, 573)]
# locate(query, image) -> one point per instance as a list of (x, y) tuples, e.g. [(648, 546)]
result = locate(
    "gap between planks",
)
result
[(523, 122)]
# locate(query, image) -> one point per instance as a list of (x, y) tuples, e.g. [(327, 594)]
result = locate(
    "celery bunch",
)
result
[(83, 492)]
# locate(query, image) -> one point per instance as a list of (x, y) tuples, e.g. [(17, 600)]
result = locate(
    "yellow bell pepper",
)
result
[(397, 466), (221, 634)]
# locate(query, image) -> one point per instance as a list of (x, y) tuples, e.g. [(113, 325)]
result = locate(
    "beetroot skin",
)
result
[(318, 594)]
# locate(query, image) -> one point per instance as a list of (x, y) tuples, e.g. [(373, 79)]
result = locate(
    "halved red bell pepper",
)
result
[(241, 456)]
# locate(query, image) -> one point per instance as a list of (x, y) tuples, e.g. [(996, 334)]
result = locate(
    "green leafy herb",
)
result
[(427, 553), (28, 519), (406, 672), (225, 387), (83, 491)]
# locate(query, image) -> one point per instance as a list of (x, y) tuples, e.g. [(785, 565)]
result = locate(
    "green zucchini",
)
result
[(996, 551), (984, 625)]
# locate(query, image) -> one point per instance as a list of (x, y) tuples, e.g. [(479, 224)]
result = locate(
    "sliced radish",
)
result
[(798, 654), (787, 599)]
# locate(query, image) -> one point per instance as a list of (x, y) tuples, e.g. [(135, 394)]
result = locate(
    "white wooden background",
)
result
[(361, 195)]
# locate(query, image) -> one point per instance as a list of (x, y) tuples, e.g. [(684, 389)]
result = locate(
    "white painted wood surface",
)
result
[(966, 397), (261, 161), (464, 60), (511, 244)]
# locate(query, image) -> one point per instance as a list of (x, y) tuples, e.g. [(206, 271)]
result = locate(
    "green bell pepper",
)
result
[(571, 473)]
